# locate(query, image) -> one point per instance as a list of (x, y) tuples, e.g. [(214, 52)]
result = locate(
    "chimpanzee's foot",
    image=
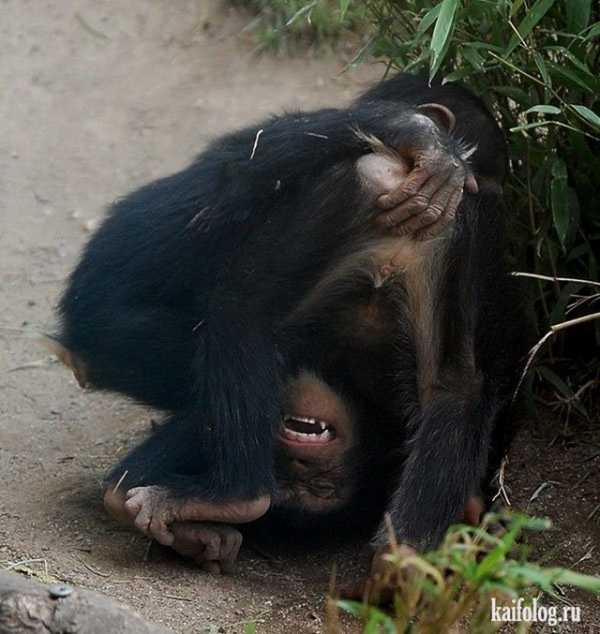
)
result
[(153, 509), (214, 547)]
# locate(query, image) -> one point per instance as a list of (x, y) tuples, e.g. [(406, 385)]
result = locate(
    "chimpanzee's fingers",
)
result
[(160, 530), (471, 183), (434, 229), (231, 545), (212, 567), (143, 517), (212, 546), (419, 204), (147, 516), (409, 188)]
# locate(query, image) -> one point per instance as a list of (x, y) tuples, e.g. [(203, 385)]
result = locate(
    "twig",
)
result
[(91, 30), (501, 487), (596, 509), (92, 569), (256, 143), (563, 325), (25, 562), (550, 278), (574, 322), (120, 481)]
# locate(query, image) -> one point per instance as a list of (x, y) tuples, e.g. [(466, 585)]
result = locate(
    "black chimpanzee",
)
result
[(260, 280)]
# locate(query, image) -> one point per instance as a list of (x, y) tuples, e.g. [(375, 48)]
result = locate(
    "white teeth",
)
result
[(303, 419), (324, 436)]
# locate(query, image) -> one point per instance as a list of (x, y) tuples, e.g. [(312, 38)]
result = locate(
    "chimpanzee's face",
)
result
[(317, 434)]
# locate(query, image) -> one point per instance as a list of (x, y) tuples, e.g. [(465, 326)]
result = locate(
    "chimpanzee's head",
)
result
[(315, 448)]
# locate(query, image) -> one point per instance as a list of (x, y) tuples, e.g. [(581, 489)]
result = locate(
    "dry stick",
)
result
[(553, 330), (501, 486), (92, 569), (550, 278), (256, 143), (120, 480)]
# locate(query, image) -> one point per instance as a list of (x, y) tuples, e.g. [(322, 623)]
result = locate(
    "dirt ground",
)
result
[(98, 98)]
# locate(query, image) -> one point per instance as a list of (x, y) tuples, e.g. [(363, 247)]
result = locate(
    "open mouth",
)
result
[(306, 430)]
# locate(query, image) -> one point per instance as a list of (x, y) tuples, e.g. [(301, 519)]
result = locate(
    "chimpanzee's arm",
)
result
[(480, 341)]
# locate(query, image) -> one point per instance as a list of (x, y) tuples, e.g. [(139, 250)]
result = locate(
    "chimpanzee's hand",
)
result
[(153, 510), (425, 200)]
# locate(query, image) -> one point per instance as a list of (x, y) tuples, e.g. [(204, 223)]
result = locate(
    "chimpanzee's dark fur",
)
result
[(181, 298)]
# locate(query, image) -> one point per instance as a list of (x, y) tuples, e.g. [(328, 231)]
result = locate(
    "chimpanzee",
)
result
[(214, 293)]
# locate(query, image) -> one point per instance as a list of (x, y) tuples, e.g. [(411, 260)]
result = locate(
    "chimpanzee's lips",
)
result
[(303, 429)]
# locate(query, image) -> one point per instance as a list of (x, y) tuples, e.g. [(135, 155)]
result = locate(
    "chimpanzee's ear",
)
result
[(441, 115)]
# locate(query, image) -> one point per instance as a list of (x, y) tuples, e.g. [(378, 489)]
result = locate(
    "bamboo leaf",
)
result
[(344, 4), (516, 94), (559, 199), (582, 66), (473, 57), (589, 115), (578, 14), (544, 109), (541, 66), (441, 34), (593, 33), (571, 77), (534, 15), (428, 19)]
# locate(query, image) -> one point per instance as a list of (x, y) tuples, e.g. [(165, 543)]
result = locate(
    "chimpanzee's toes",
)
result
[(148, 508), (214, 547)]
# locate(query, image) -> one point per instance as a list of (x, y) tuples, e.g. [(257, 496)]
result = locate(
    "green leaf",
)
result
[(570, 76), (458, 75), (441, 34), (344, 4), (544, 109), (589, 115), (569, 578), (541, 65), (516, 94), (562, 388), (578, 14), (515, 7), (355, 608), (593, 32), (473, 57), (250, 628), (493, 560), (428, 19), (560, 199), (582, 66), (534, 15), (377, 618)]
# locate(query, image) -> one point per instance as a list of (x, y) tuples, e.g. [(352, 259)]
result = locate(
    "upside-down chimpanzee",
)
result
[(320, 302)]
